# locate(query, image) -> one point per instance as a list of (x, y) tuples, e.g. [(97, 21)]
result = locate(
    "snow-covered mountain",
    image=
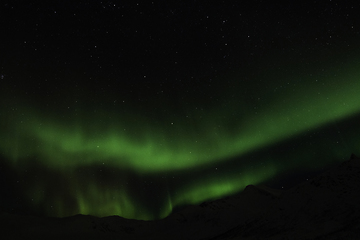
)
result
[(324, 207)]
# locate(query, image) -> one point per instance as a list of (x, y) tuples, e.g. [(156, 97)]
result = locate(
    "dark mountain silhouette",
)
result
[(324, 207)]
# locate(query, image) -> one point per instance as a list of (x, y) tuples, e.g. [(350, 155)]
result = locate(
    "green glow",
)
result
[(179, 147), (89, 199), (146, 148), (223, 185)]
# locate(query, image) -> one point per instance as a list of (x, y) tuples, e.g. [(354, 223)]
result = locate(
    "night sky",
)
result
[(108, 108)]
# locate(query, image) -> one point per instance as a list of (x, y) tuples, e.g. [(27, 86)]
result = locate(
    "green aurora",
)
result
[(65, 147)]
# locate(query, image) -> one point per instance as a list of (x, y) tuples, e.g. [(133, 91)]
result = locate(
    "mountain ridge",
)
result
[(323, 207)]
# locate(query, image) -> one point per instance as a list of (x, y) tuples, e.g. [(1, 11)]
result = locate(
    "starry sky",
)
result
[(136, 109)]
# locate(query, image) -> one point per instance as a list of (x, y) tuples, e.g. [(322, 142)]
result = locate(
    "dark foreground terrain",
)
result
[(324, 207)]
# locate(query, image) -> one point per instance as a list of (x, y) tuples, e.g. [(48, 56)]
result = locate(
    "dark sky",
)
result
[(109, 108)]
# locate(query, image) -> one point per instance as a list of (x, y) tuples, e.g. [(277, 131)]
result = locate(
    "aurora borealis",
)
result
[(141, 121)]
